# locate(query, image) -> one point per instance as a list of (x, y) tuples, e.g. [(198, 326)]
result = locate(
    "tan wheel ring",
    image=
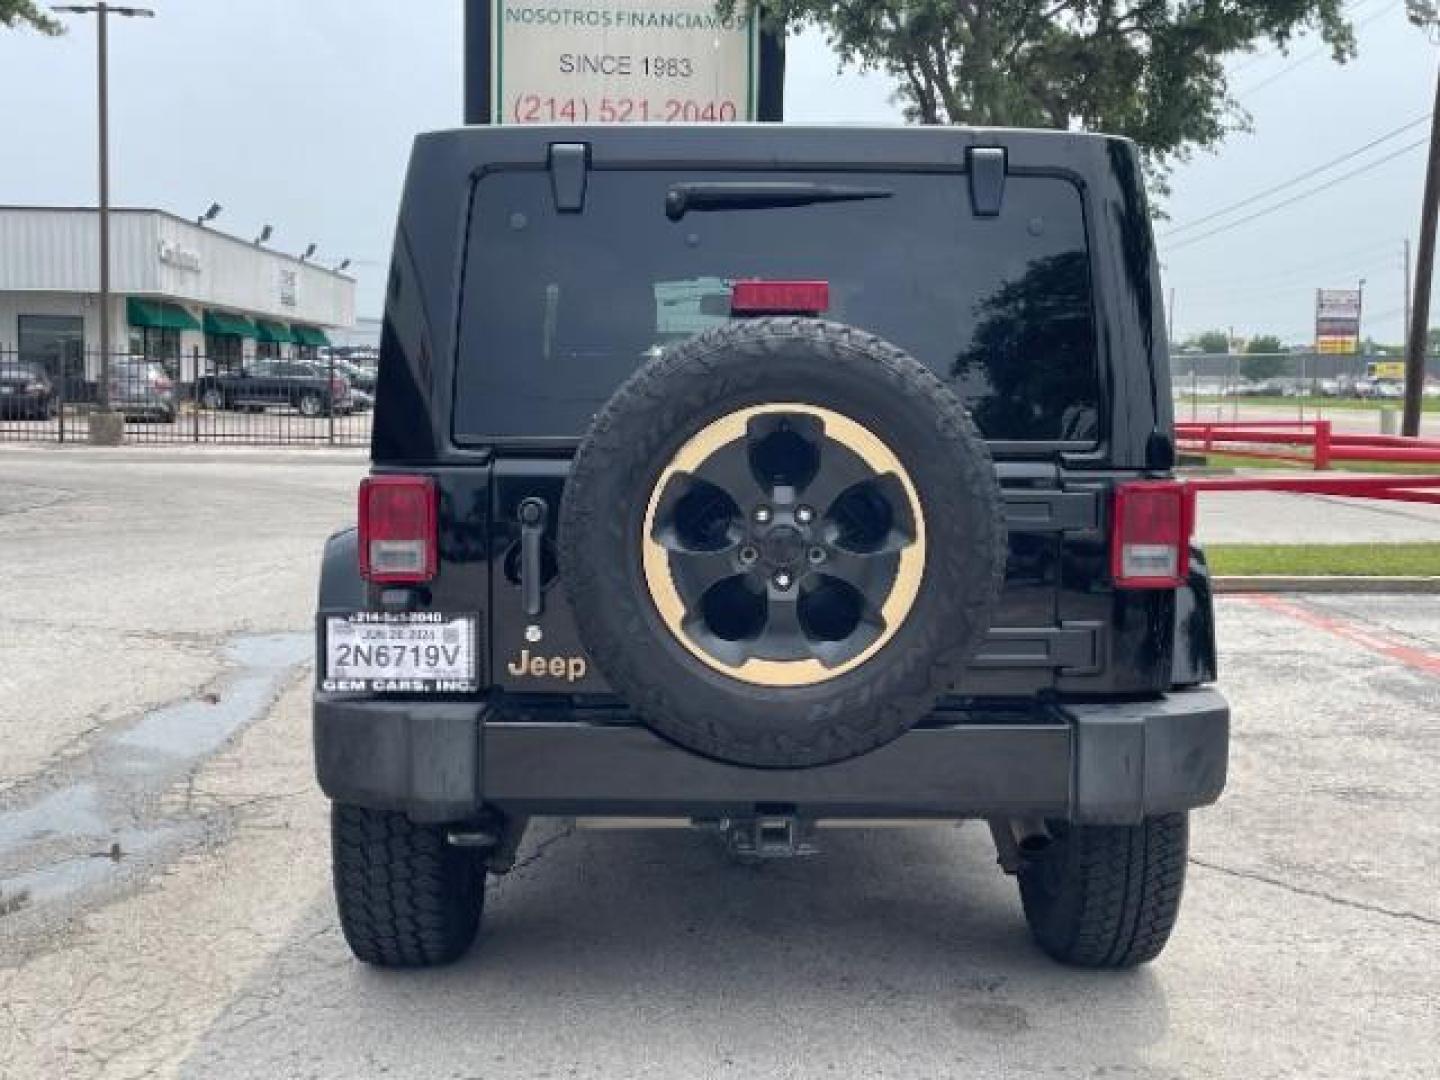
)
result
[(784, 545)]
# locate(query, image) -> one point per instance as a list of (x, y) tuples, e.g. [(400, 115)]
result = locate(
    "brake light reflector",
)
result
[(397, 529), (779, 297), (1150, 534)]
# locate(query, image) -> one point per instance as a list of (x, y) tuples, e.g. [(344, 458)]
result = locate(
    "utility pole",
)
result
[(1360, 316), (1406, 290), (1424, 269), (106, 427)]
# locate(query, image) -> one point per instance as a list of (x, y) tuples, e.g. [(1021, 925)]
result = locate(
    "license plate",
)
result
[(405, 652)]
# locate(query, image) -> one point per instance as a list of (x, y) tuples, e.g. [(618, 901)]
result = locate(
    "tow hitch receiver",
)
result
[(769, 836)]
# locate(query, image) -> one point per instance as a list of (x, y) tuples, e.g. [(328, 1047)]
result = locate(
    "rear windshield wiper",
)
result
[(681, 199)]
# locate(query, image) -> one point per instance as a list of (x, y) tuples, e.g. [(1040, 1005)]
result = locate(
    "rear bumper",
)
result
[(1093, 763)]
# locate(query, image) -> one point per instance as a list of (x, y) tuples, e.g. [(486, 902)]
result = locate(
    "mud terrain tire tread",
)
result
[(1107, 896), (406, 897)]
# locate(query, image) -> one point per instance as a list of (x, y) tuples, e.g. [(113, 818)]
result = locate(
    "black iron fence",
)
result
[(193, 398)]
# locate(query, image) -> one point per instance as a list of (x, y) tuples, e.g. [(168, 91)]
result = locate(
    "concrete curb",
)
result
[(1322, 583)]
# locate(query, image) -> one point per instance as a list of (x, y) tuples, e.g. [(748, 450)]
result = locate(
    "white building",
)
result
[(180, 292)]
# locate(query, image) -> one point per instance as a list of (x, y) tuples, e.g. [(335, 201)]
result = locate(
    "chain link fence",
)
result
[(1214, 386), (258, 401)]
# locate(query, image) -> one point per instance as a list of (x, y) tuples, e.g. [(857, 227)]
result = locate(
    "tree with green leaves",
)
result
[(1215, 342), (15, 13), (1153, 70), (1264, 358)]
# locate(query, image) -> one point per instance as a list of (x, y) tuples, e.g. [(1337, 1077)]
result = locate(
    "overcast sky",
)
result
[(300, 115)]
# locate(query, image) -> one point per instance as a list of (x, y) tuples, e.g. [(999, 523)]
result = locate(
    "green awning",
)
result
[(308, 335), (159, 315), (223, 324), (273, 332)]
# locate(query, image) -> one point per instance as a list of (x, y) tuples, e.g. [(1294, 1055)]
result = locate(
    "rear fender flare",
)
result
[(341, 587), (1194, 660)]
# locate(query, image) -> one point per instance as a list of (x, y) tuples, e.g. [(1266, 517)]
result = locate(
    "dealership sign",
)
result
[(1337, 320), (622, 61), (182, 258)]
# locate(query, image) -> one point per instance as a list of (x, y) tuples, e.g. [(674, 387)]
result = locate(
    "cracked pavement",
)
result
[(1306, 946)]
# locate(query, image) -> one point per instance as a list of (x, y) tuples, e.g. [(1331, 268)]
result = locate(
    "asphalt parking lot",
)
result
[(153, 682)]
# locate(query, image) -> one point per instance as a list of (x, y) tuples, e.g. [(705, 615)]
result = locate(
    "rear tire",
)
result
[(1107, 896), (310, 405), (407, 898)]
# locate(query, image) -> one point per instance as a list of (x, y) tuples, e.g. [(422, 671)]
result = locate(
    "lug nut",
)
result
[(748, 555), (782, 580), (804, 515), (816, 555), (762, 514)]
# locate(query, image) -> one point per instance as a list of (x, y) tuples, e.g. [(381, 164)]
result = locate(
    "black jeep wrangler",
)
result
[(767, 477)]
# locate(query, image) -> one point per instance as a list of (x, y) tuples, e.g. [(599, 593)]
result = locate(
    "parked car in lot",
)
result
[(142, 390), (360, 378), (309, 389), (26, 392)]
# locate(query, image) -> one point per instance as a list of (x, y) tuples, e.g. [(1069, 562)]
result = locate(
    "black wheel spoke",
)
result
[(834, 653), (730, 470), (870, 573), (694, 572), (732, 653), (784, 638), (840, 470)]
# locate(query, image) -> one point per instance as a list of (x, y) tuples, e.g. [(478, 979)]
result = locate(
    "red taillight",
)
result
[(397, 529), (779, 297), (338, 386), (1150, 534)]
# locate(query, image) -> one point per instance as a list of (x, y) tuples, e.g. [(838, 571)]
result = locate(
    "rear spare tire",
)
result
[(782, 540)]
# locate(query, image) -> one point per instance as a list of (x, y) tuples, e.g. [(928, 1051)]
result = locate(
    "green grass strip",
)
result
[(1311, 560)]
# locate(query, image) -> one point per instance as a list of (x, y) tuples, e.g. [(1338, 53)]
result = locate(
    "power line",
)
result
[(1294, 283), (1362, 258), (1302, 176), (1301, 196), (1374, 255), (1261, 55), (1312, 54)]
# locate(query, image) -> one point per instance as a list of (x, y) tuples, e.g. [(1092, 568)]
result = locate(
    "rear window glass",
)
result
[(560, 308)]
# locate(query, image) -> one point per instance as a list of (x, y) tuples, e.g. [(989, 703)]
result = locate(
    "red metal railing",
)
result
[(1421, 489), (1304, 442)]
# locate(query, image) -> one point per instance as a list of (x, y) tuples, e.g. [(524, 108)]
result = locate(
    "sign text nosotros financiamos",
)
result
[(617, 61)]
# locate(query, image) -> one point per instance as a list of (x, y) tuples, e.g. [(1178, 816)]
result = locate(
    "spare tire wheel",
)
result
[(782, 540)]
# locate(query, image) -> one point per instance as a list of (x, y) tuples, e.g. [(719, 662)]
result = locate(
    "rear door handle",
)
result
[(533, 515)]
